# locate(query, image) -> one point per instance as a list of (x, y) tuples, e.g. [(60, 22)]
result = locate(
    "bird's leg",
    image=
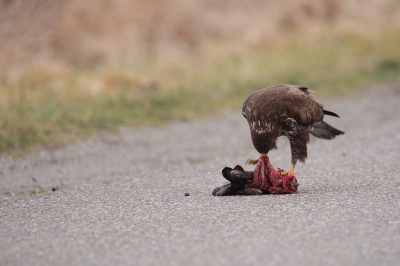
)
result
[(255, 161), (298, 146), (291, 171)]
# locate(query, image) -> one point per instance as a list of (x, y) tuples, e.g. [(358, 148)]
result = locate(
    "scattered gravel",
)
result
[(121, 199)]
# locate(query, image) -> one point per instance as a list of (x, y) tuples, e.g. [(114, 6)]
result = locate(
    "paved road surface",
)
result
[(120, 197)]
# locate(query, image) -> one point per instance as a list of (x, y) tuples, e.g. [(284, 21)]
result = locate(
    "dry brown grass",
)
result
[(91, 32)]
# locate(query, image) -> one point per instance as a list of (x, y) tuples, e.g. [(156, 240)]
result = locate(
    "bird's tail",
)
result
[(326, 112), (324, 131)]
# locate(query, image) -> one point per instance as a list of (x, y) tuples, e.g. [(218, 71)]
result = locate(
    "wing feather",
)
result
[(292, 100)]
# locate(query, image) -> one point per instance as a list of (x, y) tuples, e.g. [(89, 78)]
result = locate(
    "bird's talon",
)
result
[(252, 161)]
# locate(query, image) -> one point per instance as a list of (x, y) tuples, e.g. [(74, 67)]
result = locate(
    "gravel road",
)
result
[(120, 200)]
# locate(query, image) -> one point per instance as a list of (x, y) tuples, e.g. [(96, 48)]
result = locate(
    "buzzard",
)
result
[(286, 110)]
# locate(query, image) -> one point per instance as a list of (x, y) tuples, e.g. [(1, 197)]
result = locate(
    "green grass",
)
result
[(35, 192), (51, 108)]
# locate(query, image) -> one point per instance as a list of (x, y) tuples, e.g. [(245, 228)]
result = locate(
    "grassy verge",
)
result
[(53, 106)]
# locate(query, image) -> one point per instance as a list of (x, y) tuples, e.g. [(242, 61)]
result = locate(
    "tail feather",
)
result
[(326, 112), (324, 131)]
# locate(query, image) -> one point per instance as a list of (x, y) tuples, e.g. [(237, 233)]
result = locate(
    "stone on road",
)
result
[(121, 197)]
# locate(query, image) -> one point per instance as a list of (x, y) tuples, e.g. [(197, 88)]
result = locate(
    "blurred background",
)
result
[(71, 68)]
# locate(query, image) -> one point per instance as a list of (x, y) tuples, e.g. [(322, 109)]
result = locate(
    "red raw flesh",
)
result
[(269, 180)]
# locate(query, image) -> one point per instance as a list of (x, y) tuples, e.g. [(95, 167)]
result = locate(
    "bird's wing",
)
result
[(289, 100), (299, 103)]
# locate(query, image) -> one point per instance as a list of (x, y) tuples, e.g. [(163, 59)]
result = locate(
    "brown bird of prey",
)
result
[(286, 110)]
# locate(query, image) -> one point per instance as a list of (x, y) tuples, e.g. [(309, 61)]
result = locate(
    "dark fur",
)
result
[(238, 178)]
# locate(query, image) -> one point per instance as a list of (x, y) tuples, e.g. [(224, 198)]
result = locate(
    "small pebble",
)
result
[(53, 189), (186, 194)]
